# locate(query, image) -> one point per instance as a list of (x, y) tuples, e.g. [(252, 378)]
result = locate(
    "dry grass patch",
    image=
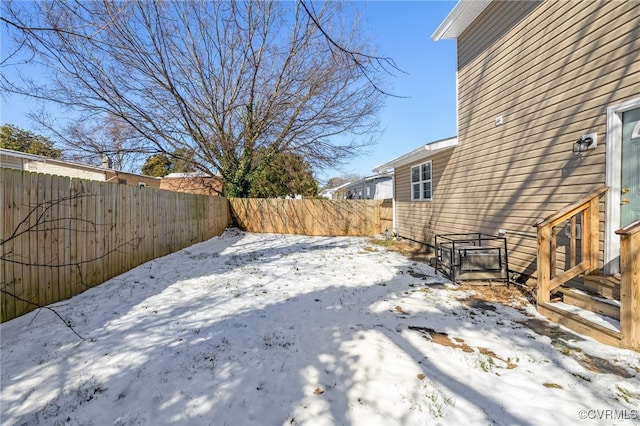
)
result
[(517, 297), (552, 385), (412, 250), (442, 339)]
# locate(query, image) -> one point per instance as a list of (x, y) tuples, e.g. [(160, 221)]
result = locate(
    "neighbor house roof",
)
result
[(6, 155), (380, 176), (9, 153), (460, 17), (338, 187), (417, 154), (183, 175)]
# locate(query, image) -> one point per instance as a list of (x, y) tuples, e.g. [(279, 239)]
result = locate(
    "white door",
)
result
[(630, 170), (622, 177)]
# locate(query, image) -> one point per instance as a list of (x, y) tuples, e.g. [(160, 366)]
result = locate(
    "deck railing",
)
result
[(630, 285), (581, 254)]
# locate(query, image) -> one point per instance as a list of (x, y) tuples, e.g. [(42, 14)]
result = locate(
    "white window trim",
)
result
[(421, 181)]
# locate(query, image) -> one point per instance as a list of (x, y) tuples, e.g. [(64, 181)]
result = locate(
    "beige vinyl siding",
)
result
[(11, 162), (414, 218), (550, 69), (63, 170)]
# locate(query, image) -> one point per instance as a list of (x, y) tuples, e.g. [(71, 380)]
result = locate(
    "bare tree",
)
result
[(220, 79), (90, 141)]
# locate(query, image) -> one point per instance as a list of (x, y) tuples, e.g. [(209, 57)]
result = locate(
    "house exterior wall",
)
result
[(379, 188), (193, 185), (53, 168), (549, 69), (38, 164), (10, 162), (132, 179), (384, 190), (416, 219)]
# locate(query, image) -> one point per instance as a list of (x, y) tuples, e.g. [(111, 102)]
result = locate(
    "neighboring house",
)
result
[(378, 187), (326, 193), (194, 183), (534, 78), (336, 193), (39, 164)]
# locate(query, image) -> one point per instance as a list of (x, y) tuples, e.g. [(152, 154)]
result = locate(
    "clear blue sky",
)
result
[(401, 30)]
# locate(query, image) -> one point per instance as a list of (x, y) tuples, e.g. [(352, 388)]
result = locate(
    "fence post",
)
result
[(594, 232), (543, 266), (630, 285)]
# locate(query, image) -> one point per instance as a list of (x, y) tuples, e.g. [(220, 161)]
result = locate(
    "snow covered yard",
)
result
[(249, 329)]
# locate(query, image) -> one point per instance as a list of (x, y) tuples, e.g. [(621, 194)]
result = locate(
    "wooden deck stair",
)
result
[(570, 291), (603, 302), (608, 286), (590, 307)]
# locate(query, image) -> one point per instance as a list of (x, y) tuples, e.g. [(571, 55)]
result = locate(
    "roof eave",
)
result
[(57, 161), (418, 154), (460, 17)]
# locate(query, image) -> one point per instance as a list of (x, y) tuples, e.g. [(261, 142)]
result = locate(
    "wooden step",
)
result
[(603, 285), (602, 306), (570, 317)]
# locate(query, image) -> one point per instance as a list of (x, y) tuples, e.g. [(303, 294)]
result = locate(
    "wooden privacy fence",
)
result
[(308, 216), (60, 236)]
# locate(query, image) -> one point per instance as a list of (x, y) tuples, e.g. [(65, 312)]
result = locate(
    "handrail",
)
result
[(565, 212), (588, 206), (630, 229)]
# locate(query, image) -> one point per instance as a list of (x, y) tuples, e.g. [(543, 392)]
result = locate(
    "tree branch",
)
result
[(386, 63)]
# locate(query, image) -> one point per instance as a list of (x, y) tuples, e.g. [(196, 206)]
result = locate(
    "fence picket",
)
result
[(97, 230), (65, 239), (10, 185), (53, 185), (309, 216), (29, 189), (72, 226)]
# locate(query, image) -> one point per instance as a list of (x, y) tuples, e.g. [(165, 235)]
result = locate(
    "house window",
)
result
[(421, 182)]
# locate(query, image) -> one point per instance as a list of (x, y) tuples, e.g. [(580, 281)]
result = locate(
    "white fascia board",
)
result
[(22, 155), (378, 177), (418, 154), (182, 175), (338, 187), (367, 179), (460, 17)]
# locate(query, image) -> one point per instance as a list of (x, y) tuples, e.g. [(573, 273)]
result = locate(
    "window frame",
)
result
[(421, 182)]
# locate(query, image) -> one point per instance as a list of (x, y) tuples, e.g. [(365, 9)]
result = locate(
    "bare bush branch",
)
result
[(69, 326), (36, 220)]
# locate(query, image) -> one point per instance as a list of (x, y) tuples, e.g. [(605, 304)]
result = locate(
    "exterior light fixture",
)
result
[(584, 143)]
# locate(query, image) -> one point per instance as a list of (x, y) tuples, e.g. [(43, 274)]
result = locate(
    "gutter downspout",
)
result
[(394, 229)]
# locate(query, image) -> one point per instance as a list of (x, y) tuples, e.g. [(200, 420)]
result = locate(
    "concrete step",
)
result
[(604, 330), (589, 302)]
